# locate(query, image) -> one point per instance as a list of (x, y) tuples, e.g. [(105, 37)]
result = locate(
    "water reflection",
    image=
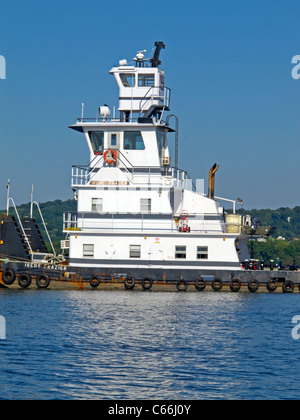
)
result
[(140, 345)]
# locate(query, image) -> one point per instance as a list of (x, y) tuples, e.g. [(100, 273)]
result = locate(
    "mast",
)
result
[(155, 59), (8, 194)]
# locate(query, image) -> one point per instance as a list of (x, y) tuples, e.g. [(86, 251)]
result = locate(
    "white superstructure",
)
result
[(136, 212)]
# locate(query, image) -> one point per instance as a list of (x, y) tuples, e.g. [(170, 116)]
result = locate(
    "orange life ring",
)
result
[(110, 156)]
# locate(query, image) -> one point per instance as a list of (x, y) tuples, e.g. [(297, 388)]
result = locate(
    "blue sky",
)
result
[(228, 63)]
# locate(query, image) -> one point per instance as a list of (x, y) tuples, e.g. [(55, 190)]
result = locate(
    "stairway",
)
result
[(34, 235), (12, 241)]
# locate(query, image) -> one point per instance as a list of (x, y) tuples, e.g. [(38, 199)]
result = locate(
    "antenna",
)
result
[(31, 200), (7, 203), (140, 55), (139, 58)]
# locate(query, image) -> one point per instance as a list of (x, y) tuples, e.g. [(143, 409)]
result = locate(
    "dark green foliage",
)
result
[(288, 252), (285, 219), (287, 222)]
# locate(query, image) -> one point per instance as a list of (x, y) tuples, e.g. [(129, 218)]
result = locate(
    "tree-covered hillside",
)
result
[(286, 220), (288, 252)]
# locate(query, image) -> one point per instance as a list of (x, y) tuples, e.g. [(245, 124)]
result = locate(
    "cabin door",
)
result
[(156, 255)]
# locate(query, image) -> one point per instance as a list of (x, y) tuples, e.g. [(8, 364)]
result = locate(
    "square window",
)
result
[(135, 251), (202, 252), (133, 140), (180, 252), (146, 80), (145, 205), (88, 250), (97, 204)]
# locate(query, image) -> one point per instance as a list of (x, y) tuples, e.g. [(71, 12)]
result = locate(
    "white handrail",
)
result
[(20, 223), (234, 202), (45, 227)]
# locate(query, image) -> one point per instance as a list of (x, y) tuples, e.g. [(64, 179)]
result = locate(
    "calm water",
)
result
[(122, 345)]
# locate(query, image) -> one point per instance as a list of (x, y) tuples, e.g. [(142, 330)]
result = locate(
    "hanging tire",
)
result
[(147, 283), (8, 277), (217, 285), (24, 280), (288, 287), (129, 283), (253, 286), (272, 285), (94, 282), (43, 281), (181, 286), (235, 285), (200, 284)]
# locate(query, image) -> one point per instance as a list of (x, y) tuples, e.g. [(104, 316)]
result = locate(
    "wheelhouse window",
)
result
[(128, 79), (202, 252), (180, 252), (133, 140), (97, 141), (97, 204), (88, 250), (135, 251), (145, 205), (146, 80)]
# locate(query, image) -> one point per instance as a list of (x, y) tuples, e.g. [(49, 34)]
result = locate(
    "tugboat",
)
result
[(141, 221)]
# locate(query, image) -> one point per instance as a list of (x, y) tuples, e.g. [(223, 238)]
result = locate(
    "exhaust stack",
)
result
[(211, 185)]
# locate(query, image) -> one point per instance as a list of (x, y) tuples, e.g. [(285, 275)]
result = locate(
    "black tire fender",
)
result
[(147, 283), (43, 281), (235, 285), (288, 287), (200, 284), (94, 281), (24, 280), (217, 285), (8, 277), (253, 286), (181, 285), (129, 283), (272, 285)]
